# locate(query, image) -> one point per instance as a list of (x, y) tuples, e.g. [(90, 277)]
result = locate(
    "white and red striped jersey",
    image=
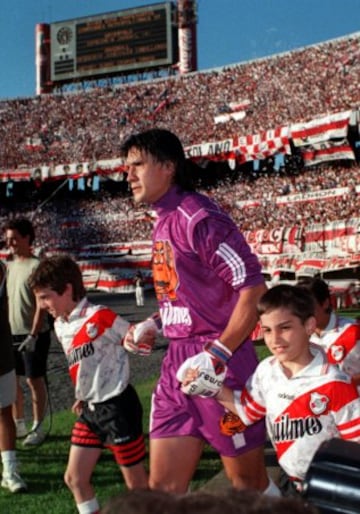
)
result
[(91, 339), (341, 342), (318, 403)]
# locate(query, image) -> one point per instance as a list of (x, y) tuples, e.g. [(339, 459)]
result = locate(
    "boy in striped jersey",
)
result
[(338, 335), (93, 338), (304, 399)]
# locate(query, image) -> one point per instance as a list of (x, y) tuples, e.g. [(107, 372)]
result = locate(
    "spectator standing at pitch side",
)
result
[(139, 289), (29, 329), (305, 399), (207, 283), (338, 335), (94, 339), (11, 479)]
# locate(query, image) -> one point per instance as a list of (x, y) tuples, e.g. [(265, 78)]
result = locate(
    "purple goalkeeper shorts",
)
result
[(175, 414)]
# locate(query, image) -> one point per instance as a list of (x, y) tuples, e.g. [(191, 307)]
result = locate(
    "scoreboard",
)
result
[(118, 42)]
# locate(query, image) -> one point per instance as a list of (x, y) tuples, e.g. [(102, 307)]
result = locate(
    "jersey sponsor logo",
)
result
[(211, 382), (337, 352), (165, 276), (79, 353), (318, 403), (173, 315), (287, 429)]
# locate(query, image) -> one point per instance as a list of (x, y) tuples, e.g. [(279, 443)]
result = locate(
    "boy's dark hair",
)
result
[(284, 296), (163, 146), (23, 226), (317, 287), (55, 273)]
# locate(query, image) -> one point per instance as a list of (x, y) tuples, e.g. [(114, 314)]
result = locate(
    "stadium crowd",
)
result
[(71, 127), (71, 223), (88, 126)]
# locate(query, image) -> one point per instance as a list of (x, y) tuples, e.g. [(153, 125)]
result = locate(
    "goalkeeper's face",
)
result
[(148, 178), (58, 305)]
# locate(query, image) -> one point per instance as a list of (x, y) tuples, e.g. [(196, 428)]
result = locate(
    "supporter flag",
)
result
[(320, 129), (233, 111), (33, 144), (263, 145), (327, 151), (160, 106), (110, 168)]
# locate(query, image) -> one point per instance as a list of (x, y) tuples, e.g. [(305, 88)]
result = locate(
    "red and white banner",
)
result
[(340, 238), (293, 239), (263, 145), (212, 151), (320, 129), (313, 196), (232, 111), (265, 241), (327, 151)]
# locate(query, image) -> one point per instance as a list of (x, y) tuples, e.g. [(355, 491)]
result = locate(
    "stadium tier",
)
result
[(277, 138)]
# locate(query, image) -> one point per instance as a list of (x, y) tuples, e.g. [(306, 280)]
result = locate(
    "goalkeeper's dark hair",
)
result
[(164, 146), (55, 273), (298, 301)]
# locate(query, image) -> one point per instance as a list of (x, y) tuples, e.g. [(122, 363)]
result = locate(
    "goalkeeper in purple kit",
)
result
[(207, 284)]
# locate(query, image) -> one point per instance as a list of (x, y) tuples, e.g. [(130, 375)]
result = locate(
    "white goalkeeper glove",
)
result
[(28, 345), (140, 338), (211, 367)]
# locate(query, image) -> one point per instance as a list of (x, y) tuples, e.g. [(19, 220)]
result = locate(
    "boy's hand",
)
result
[(211, 367), (28, 345), (77, 407), (231, 424)]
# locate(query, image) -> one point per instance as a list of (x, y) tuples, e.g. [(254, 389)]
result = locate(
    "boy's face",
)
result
[(286, 336), (149, 180), (54, 303), (17, 244)]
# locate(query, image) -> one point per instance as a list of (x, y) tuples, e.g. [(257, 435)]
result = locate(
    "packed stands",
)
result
[(83, 127), (292, 196)]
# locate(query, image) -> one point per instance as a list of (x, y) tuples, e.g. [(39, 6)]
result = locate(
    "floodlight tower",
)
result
[(42, 58), (187, 20)]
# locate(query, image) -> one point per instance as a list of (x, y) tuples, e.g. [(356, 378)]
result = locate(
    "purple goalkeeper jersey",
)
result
[(201, 263)]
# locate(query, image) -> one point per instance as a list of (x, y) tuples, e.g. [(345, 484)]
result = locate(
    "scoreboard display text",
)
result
[(119, 42)]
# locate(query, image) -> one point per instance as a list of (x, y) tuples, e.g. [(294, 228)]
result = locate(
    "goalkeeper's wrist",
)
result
[(218, 350)]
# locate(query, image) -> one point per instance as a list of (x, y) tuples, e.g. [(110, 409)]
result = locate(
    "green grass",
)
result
[(43, 468)]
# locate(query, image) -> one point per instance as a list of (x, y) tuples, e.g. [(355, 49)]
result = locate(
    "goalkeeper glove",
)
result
[(231, 424), (211, 366), (140, 338)]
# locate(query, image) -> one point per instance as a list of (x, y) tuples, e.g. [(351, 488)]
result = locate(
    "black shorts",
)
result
[(115, 424), (32, 364)]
